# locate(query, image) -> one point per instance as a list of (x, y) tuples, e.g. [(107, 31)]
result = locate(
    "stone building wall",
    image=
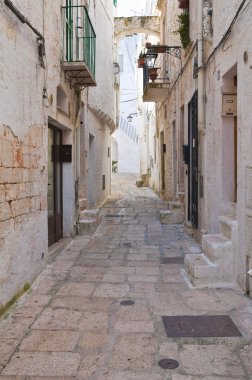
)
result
[(29, 102), (230, 66)]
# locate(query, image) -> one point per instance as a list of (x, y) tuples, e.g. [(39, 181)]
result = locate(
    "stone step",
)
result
[(140, 183), (90, 214), (216, 247), (228, 227), (82, 203), (200, 270), (87, 226)]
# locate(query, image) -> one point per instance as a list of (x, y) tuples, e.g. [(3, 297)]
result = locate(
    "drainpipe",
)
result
[(201, 121), (201, 113)]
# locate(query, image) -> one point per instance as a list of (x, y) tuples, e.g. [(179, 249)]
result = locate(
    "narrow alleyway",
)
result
[(72, 325)]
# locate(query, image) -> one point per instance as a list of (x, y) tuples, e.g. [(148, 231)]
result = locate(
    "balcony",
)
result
[(155, 91), (156, 82), (79, 43)]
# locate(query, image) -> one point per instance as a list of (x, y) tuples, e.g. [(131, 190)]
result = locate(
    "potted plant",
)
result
[(153, 73), (141, 61)]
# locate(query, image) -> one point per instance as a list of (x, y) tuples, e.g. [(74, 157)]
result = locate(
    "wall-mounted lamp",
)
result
[(150, 59), (130, 117)]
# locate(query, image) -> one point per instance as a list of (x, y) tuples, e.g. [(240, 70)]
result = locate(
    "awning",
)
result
[(104, 118)]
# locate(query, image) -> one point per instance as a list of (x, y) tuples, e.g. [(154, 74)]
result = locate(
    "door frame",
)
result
[(55, 221), (193, 193)]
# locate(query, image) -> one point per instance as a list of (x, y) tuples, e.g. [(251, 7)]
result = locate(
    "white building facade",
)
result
[(204, 116), (57, 115)]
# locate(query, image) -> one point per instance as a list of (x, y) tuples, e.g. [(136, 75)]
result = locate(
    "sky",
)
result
[(130, 7)]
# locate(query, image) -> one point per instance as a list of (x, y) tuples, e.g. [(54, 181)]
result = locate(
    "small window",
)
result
[(103, 182)]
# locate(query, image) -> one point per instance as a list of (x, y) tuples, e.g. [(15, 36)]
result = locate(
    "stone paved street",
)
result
[(70, 325)]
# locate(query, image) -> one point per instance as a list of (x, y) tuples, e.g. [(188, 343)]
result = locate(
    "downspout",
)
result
[(201, 124), (201, 108)]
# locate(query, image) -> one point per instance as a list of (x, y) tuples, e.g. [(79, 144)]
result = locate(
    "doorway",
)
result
[(174, 159), (193, 161), (162, 160), (54, 192), (91, 171)]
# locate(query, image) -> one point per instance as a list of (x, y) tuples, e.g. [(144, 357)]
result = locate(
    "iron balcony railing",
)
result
[(79, 39)]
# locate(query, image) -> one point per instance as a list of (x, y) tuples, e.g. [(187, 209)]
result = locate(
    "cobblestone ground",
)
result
[(71, 324)]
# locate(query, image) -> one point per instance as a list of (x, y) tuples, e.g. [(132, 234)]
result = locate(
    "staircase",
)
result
[(215, 266), (89, 220)]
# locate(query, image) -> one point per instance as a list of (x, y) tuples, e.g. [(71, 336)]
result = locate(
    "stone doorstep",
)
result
[(201, 272), (90, 214), (216, 246), (87, 226), (227, 227), (199, 269)]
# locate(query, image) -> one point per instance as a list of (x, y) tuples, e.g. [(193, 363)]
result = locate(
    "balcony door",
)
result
[(54, 194)]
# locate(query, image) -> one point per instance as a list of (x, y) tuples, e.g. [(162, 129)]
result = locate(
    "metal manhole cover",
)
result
[(168, 364), (172, 260), (127, 303), (200, 326)]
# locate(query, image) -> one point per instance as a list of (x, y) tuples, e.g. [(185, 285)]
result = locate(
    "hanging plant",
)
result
[(183, 29)]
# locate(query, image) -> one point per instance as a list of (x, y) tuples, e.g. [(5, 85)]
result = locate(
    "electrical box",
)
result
[(66, 153), (229, 105)]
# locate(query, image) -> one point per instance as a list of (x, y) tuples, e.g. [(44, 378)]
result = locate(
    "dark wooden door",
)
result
[(54, 194), (193, 163)]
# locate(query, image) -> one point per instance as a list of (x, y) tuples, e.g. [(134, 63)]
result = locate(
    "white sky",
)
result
[(130, 7)]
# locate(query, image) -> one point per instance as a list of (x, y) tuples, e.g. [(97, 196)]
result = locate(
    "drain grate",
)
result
[(168, 363), (200, 326), (127, 303), (112, 216), (172, 260)]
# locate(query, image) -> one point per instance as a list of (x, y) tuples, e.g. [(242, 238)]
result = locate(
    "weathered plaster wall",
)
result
[(101, 97), (28, 102), (23, 147)]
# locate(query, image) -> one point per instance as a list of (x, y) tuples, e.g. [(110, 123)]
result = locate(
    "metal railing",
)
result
[(79, 39)]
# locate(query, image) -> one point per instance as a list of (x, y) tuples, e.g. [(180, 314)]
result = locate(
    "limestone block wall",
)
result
[(23, 209)]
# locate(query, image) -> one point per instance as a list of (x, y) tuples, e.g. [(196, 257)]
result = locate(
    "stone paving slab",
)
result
[(41, 340), (71, 325), (90, 339), (133, 352), (43, 364), (82, 303)]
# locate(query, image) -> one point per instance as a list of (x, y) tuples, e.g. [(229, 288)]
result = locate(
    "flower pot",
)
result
[(183, 4), (153, 74), (140, 63)]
